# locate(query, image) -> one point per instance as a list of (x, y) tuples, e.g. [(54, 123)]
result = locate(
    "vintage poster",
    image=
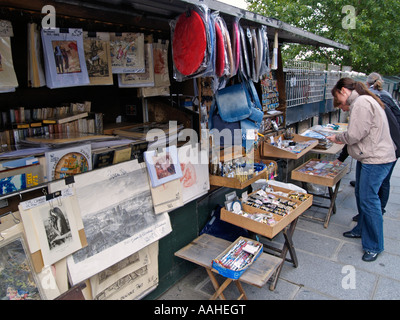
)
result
[(8, 78), (163, 166), (167, 196), (129, 278), (118, 217), (98, 57), (135, 80), (195, 180), (62, 163), (160, 57), (36, 77), (127, 52), (18, 280), (64, 58)]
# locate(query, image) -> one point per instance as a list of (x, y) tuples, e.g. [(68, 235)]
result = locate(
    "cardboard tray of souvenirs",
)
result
[(232, 172), (236, 259), (266, 218), (301, 146), (242, 178), (321, 172)]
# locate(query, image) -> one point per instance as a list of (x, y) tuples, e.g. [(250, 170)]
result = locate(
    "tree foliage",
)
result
[(374, 41)]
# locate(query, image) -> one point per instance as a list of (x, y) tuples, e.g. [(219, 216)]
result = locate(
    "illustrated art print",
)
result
[(18, 280), (64, 58), (98, 57), (127, 52), (163, 166), (68, 162)]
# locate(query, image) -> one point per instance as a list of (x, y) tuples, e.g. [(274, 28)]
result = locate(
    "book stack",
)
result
[(21, 123)]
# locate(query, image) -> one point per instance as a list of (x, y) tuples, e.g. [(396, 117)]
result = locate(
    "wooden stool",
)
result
[(205, 248)]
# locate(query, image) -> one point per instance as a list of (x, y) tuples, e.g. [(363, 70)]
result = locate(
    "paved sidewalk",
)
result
[(327, 260)]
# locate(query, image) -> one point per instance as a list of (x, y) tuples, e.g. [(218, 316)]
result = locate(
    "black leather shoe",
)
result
[(355, 218), (369, 256), (353, 183), (350, 234)]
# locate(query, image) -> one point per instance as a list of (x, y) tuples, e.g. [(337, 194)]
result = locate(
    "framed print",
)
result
[(163, 166)]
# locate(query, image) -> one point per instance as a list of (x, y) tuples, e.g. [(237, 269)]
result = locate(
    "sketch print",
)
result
[(17, 280), (118, 217), (57, 228), (66, 57), (96, 58), (115, 224)]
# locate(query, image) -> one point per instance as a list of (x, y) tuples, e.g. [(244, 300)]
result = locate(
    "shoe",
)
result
[(355, 218), (351, 235), (369, 256), (353, 183)]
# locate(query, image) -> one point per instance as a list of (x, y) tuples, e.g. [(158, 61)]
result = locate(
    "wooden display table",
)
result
[(286, 225), (310, 172), (205, 248)]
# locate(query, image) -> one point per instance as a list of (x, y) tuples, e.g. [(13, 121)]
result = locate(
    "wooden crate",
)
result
[(321, 180), (236, 183), (262, 228), (268, 150)]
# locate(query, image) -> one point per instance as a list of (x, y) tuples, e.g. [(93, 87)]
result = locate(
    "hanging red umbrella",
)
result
[(189, 43), (220, 49)]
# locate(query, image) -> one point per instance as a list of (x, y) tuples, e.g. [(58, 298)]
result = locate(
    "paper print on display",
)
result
[(145, 79), (118, 217), (57, 235), (64, 58), (8, 78), (68, 162), (129, 278), (163, 166), (127, 52), (195, 177), (98, 58), (18, 280), (52, 226)]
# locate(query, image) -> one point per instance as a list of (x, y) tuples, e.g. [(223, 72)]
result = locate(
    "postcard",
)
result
[(163, 166)]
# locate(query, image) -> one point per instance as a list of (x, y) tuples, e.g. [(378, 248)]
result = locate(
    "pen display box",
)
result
[(264, 229), (237, 258)]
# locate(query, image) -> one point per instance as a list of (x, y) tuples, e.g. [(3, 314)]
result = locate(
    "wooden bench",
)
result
[(205, 248)]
